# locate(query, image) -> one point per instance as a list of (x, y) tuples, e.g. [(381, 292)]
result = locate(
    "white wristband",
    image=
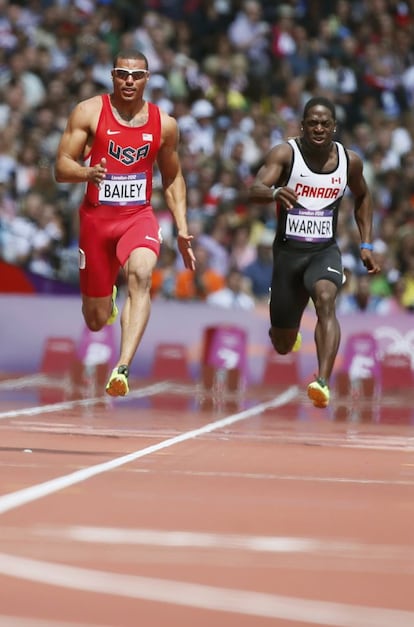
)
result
[(275, 192)]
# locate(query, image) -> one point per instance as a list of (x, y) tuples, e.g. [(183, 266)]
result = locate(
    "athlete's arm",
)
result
[(273, 173), (174, 186), (74, 141), (363, 209)]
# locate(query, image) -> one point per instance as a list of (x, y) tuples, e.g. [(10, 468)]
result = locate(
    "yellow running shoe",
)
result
[(118, 382), (318, 392), (115, 311), (298, 343)]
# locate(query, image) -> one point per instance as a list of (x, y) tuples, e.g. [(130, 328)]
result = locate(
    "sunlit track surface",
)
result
[(185, 507), (347, 440), (93, 414)]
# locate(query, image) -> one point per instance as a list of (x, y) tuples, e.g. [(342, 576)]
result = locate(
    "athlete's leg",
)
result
[(135, 314), (96, 311), (284, 340), (327, 329), (323, 280), (98, 268), (288, 299)]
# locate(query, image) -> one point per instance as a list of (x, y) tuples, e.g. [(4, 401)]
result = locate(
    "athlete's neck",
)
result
[(316, 155), (134, 115)]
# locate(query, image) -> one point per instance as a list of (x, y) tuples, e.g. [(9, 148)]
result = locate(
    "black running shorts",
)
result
[(295, 273)]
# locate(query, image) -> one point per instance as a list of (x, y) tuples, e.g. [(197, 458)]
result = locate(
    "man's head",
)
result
[(319, 121), (130, 71), (132, 55)]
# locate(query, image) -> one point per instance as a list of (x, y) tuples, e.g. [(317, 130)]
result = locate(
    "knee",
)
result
[(95, 319), (325, 303), (139, 281), (94, 324), (281, 343)]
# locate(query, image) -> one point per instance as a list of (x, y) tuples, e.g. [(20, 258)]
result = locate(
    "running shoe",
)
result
[(298, 343), (318, 392), (118, 382), (115, 311)]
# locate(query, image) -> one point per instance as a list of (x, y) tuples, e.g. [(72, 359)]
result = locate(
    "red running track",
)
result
[(169, 508)]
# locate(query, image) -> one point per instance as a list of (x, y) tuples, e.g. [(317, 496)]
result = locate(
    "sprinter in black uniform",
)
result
[(307, 177)]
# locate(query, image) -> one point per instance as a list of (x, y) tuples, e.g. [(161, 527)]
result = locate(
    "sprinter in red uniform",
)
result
[(111, 143)]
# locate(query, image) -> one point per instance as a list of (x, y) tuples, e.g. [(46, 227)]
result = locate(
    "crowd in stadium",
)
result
[(235, 75)]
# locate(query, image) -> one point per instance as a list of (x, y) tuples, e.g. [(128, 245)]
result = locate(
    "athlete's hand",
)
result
[(98, 172), (369, 261), (187, 253), (287, 197)]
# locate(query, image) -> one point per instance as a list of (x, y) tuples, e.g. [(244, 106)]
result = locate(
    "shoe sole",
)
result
[(117, 387), (318, 398)]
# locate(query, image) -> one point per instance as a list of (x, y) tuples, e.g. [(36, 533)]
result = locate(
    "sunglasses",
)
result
[(123, 74)]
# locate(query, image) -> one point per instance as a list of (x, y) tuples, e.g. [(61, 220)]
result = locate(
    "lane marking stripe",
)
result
[(274, 477), (27, 495), (261, 544), (150, 390), (193, 595)]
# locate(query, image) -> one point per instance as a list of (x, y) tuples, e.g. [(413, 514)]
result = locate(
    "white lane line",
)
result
[(262, 476), (31, 380), (149, 390), (261, 544), (33, 493), (204, 597)]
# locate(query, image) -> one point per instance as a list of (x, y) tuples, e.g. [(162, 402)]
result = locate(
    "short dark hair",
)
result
[(130, 53), (321, 101)]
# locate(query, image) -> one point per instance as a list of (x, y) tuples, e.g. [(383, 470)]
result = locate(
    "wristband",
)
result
[(367, 246), (275, 192)]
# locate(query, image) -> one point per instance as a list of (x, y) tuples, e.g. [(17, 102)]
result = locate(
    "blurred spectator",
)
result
[(216, 240), (236, 76), (34, 91), (243, 252), (203, 132), (164, 275), (203, 281), (234, 295), (406, 286), (249, 33), (8, 161), (159, 92), (382, 283), (361, 299), (259, 272)]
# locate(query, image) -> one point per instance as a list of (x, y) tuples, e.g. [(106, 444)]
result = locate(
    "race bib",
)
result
[(309, 226), (123, 189)]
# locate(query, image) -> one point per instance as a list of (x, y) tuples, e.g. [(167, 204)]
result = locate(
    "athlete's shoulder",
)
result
[(166, 118), (89, 105), (353, 156), (281, 152), (169, 126)]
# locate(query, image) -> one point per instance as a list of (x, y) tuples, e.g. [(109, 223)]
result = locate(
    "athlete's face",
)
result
[(318, 126), (129, 77)]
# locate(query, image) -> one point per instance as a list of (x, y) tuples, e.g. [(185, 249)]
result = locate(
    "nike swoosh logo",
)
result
[(109, 132), (153, 239), (333, 270)]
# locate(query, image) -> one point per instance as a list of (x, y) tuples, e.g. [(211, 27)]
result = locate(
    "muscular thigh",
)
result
[(142, 232), (288, 294), (98, 265), (107, 237), (326, 264)]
